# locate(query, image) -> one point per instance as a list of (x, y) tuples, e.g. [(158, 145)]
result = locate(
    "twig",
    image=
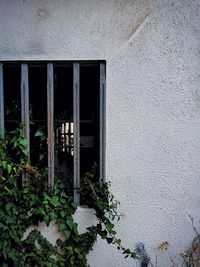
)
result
[(7, 181), (195, 229), (172, 261)]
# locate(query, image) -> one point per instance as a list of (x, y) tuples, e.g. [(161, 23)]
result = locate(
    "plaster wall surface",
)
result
[(152, 50)]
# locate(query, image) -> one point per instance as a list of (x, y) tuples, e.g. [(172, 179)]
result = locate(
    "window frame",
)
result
[(50, 114)]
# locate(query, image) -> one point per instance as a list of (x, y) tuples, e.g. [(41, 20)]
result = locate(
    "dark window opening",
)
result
[(63, 124), (89, 118), (12, 99), (66, 102), (38, 114)]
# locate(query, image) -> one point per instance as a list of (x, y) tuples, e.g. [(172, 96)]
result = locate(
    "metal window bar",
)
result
[(1, 103), (25, 103), (25, 111), (102, 126), (76, 130), (50, 107), (50, 112), (70, 138)]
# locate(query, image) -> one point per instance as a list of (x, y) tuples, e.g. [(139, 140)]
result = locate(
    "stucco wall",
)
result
[(152, 49)]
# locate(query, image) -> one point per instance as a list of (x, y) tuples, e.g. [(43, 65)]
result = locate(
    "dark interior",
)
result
[(63, 115)]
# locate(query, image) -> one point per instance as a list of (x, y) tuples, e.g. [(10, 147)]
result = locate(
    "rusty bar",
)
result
[(2, 126), (102, 122), (50, 118), (25, 103), (76, 139)]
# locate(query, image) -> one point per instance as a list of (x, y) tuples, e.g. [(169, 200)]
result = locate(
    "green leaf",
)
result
[(9, 168), (77, 250), (23, 142), (109, 240), (109, 226), (40, 133), (7, 189), (118, 241), (3, 164), (66, 234), (15, 144), (70, 223), (103, 234), (62, 213), (25, 151), (69, 248), (9, 206), (62, 226), (126, 251), (74, 205), (41, 157), (52, 216), (54, 201)]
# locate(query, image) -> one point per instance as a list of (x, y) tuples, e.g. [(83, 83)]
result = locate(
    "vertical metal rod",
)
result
[(69, 142), (25, 103), (50, 118), (102, 122), (76, 139), (2, 126), (25, 111)]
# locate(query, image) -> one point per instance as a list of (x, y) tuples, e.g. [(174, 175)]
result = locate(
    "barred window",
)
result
[(66, 100)]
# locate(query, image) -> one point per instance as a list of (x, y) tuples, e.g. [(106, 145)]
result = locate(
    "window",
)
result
[(67, 101)]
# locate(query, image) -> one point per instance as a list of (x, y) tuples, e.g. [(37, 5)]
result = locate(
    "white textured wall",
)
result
[(152, 50)]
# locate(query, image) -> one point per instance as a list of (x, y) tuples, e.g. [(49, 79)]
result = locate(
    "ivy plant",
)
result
[(28, 205)]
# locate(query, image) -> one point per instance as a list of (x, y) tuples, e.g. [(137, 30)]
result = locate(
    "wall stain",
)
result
[(136, 26), (42, 13)]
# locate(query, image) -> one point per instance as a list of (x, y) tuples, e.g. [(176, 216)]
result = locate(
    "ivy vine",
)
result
[(22, 207)]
